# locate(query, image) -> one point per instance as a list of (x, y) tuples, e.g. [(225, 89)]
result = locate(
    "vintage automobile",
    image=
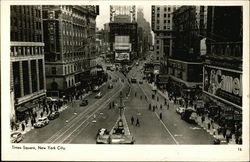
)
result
[(189, 115), (53, 115), (84, 102), (133, 80), (16, 137), (102, 136), (41, 122), (98, 95), (180, 109)]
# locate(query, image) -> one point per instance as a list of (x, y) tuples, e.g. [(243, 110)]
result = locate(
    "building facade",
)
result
[(123, 17), (144, 34), (27, 68), (222, 71), (70, 52), (185, 63)]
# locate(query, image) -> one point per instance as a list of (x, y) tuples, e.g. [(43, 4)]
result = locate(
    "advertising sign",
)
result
[(122, 46), (121, 56), (122, 39), (225, 84)]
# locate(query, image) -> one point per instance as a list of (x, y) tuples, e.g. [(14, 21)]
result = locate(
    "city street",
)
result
[(79, 125)]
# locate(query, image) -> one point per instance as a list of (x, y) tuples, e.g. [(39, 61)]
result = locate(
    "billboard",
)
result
[(222, 83), (122, 39), (122, 56), (122, 46)]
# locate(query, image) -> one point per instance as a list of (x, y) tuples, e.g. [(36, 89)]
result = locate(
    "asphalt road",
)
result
[(79, 125)]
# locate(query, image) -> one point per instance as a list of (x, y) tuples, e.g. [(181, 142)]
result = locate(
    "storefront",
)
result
[(222, 90)]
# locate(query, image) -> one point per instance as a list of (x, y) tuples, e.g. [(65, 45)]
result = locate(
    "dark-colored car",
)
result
[(84, 102), (53, 115), (133, 80), (189, 115)]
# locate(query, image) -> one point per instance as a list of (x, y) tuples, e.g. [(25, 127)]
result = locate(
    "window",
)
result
[(53, 70), (158, 27), (169, 8), (165, 27), (168, 21), (165, 15), (165, 9), (157, 42), (165, 21), (158, 15), (168, 15), (158, 21), (158, 8), (157, 47)]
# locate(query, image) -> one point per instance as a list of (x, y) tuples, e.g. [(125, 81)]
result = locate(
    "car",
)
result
[(133, 80), (41, 122), (108, 68), (180, 110), (189, 115), (96, 89), (84, 102), (98, 95), (53, 115), (102, 136), (110, 86), (141, 82), (16, 137)]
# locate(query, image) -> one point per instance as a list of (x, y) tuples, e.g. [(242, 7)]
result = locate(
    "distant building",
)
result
[(27, 70), (70, 51), (123, 25), (144, 34), (222, 71)]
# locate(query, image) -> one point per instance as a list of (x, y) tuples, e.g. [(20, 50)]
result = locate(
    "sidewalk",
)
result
[(29, 126), (213, 128)]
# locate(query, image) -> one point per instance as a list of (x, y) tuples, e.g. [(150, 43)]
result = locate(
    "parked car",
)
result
[(180, 110), (53, 115), (84, 102), (98, 95), (102, 136), (110, 86), (189, 115), (133, 80), (41, 122), (141, 82), (16, 137)]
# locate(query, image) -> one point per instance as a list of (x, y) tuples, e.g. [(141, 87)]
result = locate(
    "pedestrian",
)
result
[(208, 126), (137, 122), (161, 106), (145, 97), (110, 105), (113, 104), (32, 122), (41, 114), (157, 98), (160, 116), (153, 108), (135, 94), (23, 127), (132, 120), (26, 122), (202, 118)]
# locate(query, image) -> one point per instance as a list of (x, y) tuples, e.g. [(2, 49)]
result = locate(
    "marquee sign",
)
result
[(222, 83)]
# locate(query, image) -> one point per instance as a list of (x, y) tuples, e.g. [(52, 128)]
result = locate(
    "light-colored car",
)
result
[(98, 95), (16, 137), (102, 136), (41, 122), (121, 139), (180, 109)]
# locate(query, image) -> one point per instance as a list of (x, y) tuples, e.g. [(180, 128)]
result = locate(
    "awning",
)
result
[(21, 109), (25, 107)]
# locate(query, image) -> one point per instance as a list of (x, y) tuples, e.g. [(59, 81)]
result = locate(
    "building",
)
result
[(222, 71), (123, 17), (70, 50), (185, 63), (144, 34), (27, 70), (162, 26)]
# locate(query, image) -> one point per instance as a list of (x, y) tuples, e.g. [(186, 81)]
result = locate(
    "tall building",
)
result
[(185, 64), (144, 33), (123, 43), (27, 70), (222, 71), (162, 26), (70, 52)]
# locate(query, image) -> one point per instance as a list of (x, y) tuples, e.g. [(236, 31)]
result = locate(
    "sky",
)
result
[(103, 16)]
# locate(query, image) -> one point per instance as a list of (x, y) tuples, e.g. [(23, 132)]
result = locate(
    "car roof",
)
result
[(42, 118)]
